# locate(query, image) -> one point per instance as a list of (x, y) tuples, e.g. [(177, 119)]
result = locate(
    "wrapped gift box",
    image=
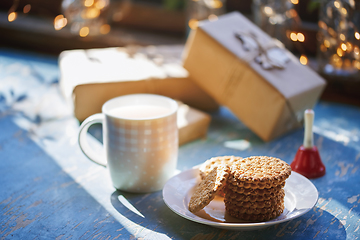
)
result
[(91, 77), (243, 68), (88, 78), (192, 123)]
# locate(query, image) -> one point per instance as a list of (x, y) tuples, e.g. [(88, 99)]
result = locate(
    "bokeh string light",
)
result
[(338, 39), (278, 19), (198, 10), (303, 60), (12, 16), (84, 17), (60, 22), (87, 17), (27, 8), (338, 51)]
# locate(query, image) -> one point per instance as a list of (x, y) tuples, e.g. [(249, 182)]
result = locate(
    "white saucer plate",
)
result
[(300, 197)]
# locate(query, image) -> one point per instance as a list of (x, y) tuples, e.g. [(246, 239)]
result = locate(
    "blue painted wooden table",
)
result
[(49, 190)]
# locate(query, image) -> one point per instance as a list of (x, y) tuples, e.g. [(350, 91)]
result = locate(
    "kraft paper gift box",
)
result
[(252, 74), (88, 78), (192, 123)]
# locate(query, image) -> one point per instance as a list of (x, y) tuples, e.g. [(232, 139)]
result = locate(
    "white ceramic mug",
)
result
[(140, 137)]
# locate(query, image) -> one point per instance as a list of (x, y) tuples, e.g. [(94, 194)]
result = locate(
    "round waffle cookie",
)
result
[(206, 190), (208, 165), (259, 172), (255, 204), (255, 184), (256, 210), (254, 191), (233, 196), (255, 217), (262, 206)]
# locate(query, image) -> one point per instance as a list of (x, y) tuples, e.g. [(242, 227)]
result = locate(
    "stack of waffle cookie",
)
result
[(253, 186)]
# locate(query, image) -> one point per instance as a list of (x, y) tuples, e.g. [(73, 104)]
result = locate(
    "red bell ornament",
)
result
[(307, 160)]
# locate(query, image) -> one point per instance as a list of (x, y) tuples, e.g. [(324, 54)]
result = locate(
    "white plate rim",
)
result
[(192, 175)]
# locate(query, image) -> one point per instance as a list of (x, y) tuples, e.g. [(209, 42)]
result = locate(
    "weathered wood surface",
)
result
[(49, 190)]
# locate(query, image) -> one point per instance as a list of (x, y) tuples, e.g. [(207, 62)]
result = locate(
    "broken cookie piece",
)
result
[(207, 189)]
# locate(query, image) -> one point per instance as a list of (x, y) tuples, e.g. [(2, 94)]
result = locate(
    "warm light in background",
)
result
[(349, 46), (294, 1), (90, 13), (105, 29), (356, 50), (291, 13), (293, 36), (343, 11), (27, 8), (327, 43), (332, 32), (297, 37), (88, 3), (339, 52), (342, 36), (12, 16), (300, 37), (343, 25), (84, 31), (337, 4), (303, 60), (356, 64), (357, 35), (323, 48), (336, 59), (193, 23), (343, 47), (100, 4), (268, 11), (322, 25), (212, 17), (216, 4), (59, 22)]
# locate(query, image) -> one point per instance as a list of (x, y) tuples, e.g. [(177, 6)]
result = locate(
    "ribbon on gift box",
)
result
[(269, 57)]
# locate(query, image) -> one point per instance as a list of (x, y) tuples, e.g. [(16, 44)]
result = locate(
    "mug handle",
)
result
[(83, 141)]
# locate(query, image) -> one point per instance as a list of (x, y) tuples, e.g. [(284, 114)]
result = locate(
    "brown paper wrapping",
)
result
[(91, 77), (269, 102)]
